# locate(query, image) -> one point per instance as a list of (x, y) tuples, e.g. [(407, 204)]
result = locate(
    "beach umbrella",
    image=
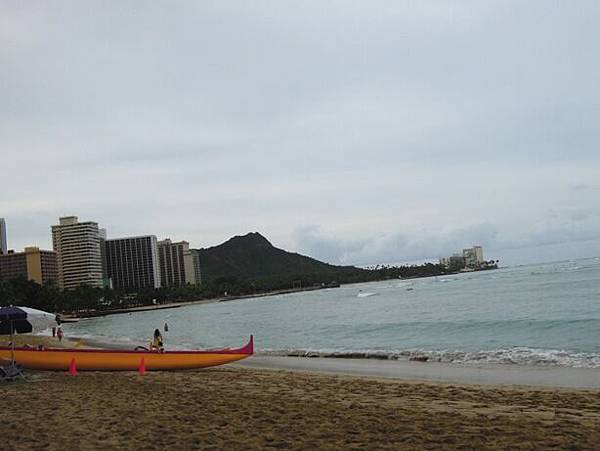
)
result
[(39, 319), (22, 320)]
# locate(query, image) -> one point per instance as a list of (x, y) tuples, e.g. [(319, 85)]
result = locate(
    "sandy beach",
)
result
[(256, 404), (239, 408)]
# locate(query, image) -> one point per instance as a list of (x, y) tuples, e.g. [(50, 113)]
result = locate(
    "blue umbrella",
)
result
[(12, 313), (21, 320), (14, 319)]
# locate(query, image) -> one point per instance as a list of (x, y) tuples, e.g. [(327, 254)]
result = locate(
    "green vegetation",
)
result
[(243, 266), (252, 257)]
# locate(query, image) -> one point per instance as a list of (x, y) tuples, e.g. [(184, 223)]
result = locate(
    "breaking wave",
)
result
[(513, 356)]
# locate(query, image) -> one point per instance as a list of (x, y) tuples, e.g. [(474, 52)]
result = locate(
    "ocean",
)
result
[(541, 315)]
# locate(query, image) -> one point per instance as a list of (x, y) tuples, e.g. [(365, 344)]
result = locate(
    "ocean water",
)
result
[(546, 314)]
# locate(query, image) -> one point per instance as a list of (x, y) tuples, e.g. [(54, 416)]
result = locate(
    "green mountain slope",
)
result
[(253, 257)]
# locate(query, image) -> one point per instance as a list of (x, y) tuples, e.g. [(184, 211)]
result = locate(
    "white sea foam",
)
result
[(515, 356)]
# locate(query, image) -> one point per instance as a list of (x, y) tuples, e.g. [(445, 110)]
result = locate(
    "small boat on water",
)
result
[(121, 360), (69, 319)]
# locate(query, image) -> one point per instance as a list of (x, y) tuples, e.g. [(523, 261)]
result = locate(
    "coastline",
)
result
[(171, 305), (497, 375), (433, 372), (143, 308)]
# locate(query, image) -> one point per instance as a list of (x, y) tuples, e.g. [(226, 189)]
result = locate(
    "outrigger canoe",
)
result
[(117, 360)]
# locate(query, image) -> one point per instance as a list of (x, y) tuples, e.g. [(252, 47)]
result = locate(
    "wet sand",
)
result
[(240, 408), (509, 375)]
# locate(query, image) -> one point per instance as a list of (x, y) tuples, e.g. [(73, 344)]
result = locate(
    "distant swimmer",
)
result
[(166, 327)]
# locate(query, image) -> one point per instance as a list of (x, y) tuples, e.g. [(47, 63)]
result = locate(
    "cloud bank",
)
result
[(357, 133)]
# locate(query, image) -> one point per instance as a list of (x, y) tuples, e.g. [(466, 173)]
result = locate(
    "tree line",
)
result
[(27, 293)]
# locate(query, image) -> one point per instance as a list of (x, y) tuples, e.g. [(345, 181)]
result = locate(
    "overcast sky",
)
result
[(354, 132)]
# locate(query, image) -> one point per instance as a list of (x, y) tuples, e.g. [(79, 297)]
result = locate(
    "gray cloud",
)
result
[(399, 248), (358, 133), (393, 248)]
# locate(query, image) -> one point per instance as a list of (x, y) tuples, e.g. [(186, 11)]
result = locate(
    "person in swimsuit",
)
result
[(157, 342)]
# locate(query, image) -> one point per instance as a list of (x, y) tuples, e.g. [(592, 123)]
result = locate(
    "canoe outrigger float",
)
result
[(117, 360)]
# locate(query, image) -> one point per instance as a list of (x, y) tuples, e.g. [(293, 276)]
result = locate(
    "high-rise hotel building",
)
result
[(3, 246), (132, 263), (32, 264), (197, 269), (77, 247), (176, 263)]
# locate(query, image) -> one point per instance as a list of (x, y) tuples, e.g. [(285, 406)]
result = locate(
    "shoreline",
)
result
[(99, 313), (66, 318), (434, 372), (401, 371)]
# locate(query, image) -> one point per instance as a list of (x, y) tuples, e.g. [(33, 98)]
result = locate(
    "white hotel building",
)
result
[(78, 251)]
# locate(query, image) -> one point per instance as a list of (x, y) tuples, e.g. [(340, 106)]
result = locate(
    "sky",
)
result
[(354, 132)]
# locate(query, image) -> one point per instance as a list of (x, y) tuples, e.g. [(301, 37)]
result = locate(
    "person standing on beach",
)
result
[(59, 333)]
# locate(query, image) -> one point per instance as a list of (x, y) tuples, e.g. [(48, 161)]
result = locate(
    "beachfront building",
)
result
[(32, 264), (106, 282), (473, 256), (78, 250), (457, 262), (196, 262), (132, 263), (176, 263), (3, 245)]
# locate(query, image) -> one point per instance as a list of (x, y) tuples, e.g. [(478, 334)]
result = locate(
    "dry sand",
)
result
[(238, 408)]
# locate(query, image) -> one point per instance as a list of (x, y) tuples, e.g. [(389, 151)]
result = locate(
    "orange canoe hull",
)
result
[(115, 360)]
